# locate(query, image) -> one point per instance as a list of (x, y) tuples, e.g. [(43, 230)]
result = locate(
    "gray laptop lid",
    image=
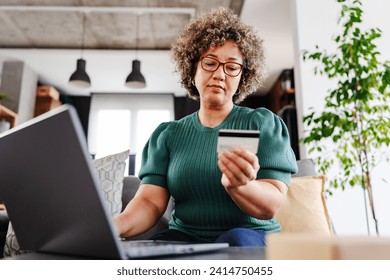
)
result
[(50, 189)]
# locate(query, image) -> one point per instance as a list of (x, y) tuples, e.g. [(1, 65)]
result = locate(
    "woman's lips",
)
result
[(217, 88)]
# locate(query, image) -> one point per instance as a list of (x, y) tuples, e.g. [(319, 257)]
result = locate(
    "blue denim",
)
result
[(243, 237), (235, 237)]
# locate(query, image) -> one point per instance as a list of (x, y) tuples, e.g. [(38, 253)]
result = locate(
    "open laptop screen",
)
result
[(50, 189)]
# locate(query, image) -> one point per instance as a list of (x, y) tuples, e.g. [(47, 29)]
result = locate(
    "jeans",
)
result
[(243, 237), (235, 237)]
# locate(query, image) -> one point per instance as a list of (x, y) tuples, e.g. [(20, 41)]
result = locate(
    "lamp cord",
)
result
[(83, 39), (136, 37)]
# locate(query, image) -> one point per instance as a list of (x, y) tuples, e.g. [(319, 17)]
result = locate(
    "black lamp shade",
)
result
[(80, 77), (135, 78)]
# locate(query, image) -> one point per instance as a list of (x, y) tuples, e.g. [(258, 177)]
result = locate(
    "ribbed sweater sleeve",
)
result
[(276, 158), (155, 156)]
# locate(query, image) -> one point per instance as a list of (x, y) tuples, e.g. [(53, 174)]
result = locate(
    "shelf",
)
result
[(8, 115)]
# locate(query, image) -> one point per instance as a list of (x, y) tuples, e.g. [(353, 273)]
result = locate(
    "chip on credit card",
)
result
[(230, 138)]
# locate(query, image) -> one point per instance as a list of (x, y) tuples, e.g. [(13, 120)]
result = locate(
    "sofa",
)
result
[(305, 208)]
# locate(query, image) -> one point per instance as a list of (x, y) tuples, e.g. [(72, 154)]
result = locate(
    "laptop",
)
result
[(53, 198)]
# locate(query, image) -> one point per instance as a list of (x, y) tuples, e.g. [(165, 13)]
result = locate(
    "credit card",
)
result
[(230, 138)]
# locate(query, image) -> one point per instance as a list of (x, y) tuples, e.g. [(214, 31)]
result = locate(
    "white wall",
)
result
[(316, 23)]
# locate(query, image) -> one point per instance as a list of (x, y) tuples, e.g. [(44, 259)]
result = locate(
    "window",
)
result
[(111, 137), (123, 121)]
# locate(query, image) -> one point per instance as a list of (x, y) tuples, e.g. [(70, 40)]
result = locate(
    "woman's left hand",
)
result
[(239, 166)]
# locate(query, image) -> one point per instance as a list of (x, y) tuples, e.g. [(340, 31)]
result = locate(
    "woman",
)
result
[(228, 197)]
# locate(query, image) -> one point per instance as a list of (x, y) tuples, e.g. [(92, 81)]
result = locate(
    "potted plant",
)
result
[(356, 116)]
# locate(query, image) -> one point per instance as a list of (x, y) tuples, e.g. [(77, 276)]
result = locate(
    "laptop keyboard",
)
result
[(146, 248), (152, 248)]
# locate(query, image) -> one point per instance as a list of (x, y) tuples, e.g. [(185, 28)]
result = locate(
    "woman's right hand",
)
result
[(239, 166), (143, 211)]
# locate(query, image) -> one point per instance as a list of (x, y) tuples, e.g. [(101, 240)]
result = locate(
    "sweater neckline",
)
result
[(201, 127)]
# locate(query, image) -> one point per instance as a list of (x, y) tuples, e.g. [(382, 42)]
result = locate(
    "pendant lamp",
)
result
[(80, 77), (135, 79)]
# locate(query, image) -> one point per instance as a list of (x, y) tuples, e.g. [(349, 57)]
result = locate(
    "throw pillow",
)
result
[(305, 208), (111, 172)]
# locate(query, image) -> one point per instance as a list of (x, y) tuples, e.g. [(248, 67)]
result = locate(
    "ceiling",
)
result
[(120, 25), (109, 24)]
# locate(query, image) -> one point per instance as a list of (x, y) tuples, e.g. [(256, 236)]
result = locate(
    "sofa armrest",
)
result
[(130, 187), (306, 167)]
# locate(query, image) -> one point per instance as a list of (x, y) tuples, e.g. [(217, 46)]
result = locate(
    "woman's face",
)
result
[(216, 88)]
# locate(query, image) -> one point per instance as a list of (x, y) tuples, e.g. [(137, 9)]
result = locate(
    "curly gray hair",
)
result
[(214, 29)]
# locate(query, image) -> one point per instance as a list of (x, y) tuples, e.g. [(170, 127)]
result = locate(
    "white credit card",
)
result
[(230, 138)]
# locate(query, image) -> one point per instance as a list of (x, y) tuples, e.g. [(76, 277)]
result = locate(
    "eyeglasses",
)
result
[(231, 69)]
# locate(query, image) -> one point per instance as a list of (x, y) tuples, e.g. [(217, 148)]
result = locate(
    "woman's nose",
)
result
[(219, 73)]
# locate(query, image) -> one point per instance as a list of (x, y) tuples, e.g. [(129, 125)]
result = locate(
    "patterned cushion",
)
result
[(111, 171)]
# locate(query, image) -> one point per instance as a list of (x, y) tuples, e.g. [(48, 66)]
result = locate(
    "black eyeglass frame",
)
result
[(223, 65)]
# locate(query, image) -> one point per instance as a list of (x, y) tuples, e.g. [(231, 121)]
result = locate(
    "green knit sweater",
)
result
[(181, 156)]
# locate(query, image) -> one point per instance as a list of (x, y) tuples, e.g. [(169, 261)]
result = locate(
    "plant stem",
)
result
[(366, 211), (370, 194), (362, 153)]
